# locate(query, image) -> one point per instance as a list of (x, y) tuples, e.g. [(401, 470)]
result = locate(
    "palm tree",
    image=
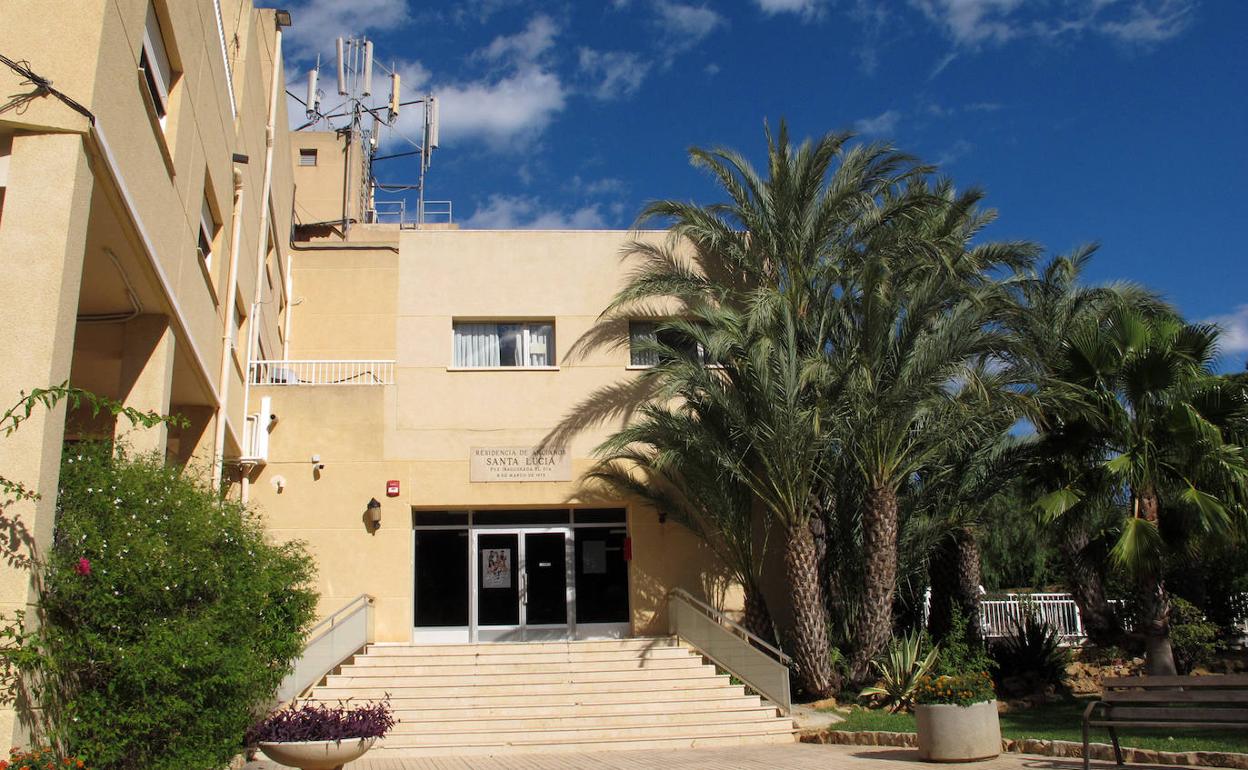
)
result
[(750, 275), (1146, 389), (681, 455), (921, 310), (1048, 307)]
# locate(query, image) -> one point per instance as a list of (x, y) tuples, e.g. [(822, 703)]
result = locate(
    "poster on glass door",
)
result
[(496, 568)]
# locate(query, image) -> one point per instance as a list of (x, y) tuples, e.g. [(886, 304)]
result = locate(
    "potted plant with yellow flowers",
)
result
[(956, 718)]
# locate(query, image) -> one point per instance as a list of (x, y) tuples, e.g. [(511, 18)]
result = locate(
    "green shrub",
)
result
[(167, 620), (900, 671), (959, 689), (962, 651), (1192, 637), (1031, 655)]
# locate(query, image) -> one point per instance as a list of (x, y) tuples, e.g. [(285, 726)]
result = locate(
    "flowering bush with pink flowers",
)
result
[(167, 619)]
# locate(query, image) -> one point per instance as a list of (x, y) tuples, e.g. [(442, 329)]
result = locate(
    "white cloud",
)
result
[(604, 186), (316, 23), (501, 112), (959, 149), (971, 22), (505, 109), (1147, 23), (616, 73), (525, 46), (684, 25), (514, 212), (1234, 326), (884, 123), (974, 23), (807, 9)]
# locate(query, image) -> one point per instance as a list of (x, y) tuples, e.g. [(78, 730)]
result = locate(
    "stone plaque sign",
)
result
[(519, 463)]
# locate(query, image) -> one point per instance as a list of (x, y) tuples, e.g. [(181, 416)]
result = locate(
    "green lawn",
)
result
[(1063, 721)]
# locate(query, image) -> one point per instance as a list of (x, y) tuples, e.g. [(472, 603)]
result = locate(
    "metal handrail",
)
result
[(331, 620), (719, 617), (306, 671)]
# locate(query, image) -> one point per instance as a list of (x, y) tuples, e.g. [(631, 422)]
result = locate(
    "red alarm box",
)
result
[(392, 488)]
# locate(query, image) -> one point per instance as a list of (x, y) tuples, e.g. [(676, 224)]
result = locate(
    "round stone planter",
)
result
[(949, 733), (317, 755)]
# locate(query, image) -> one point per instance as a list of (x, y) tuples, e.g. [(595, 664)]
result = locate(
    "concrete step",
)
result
[(433, 656), (497, 737), (400, 699), (511, 722), (357, 679), (411, 710), (513, 648), (490, 669), (466, 700), (688, 741), (422, 688)]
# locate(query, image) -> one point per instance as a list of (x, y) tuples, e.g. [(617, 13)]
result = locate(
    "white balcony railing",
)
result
[(321, 372)]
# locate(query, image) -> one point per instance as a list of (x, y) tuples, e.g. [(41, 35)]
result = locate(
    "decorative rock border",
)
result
[(1072, 749)]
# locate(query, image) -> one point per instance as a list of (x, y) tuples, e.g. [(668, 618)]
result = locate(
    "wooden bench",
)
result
[(1219, 702)]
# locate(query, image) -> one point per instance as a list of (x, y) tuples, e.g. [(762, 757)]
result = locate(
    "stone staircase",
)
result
[(553, 696)]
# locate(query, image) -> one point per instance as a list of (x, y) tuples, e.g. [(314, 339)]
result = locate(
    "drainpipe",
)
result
[(253, 328), (227, 341)]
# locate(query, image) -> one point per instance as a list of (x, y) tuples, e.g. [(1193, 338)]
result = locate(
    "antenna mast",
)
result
[(359, 121)]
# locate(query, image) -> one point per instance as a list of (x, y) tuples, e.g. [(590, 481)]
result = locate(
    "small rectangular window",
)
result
[(207, 233), (154, 59), (307, 157), (650, 341), (504, 344)]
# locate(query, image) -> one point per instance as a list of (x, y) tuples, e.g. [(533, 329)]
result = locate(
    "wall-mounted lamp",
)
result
[(374, 513), (282, 16)]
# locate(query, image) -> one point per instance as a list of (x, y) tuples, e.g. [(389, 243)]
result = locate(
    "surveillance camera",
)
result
[(320, 466), (272, 418)]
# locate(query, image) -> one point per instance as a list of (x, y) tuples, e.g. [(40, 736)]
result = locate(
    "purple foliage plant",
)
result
[(314, 721)]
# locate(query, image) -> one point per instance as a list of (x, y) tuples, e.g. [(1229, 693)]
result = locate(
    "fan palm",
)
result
[(1048, 307), (1148, 393)]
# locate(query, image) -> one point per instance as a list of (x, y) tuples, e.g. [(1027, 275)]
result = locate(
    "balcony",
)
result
[(321, 372)]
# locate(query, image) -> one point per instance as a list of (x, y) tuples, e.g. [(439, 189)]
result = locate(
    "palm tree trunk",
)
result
[(879, 545), (954, 575), (1155, 628), (1086, 583), (810, 630), (757, 619)]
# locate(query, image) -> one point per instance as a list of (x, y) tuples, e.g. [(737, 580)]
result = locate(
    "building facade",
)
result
[(143, 229), (379, 392)]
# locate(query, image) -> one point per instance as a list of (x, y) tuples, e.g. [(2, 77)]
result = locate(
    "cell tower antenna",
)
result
[(359, 121)]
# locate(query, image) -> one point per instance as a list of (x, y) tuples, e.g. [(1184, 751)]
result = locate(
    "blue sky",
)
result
[(1118, 121)]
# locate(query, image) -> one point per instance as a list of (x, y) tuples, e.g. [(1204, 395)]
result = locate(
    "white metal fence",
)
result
[(730, 646), (997, 617), (321, 372), (330, 642)]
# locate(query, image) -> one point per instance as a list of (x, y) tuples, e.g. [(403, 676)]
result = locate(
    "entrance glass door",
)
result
[(522, 584)]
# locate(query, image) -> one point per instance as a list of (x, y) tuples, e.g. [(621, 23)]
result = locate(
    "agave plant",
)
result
[(900, 671)]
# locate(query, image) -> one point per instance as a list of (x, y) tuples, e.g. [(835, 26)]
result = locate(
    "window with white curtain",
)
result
[(644, 335), (490, 344)]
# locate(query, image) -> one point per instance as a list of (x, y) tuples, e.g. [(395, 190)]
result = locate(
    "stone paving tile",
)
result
[(800, 756)]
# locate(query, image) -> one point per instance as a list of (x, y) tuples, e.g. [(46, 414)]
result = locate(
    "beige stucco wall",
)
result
[(365, 304), (104, 218)]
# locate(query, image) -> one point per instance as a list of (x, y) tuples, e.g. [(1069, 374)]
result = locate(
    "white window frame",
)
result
[(526, 342), (159, 69)]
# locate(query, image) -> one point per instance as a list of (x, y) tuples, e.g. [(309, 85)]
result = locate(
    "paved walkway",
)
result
[(800, 756)]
